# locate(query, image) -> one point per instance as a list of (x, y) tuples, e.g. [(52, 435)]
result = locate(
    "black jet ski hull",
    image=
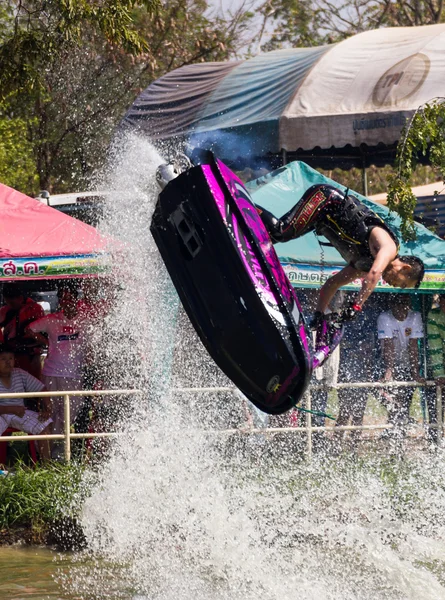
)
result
[(233, 288)]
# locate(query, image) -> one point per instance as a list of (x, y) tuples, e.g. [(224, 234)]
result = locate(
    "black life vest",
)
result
[(347, 224)]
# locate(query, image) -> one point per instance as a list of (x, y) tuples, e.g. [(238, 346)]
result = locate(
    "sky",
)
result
[(226, 7)]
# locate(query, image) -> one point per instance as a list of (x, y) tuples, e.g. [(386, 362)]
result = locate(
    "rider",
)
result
[(363, 239)]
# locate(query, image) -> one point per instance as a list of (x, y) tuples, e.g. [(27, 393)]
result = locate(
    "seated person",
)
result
[(15, 316), (13, 412)]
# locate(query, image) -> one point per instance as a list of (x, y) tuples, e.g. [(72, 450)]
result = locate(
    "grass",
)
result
[(39, 499)]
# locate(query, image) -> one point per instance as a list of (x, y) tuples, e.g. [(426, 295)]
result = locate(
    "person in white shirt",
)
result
[(13, 412), (400, 329), (66, 331)]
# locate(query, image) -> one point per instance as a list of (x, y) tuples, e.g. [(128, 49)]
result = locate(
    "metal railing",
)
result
[(67, 435), (309, 428)]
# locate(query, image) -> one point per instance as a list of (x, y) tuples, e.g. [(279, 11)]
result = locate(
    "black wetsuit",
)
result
[(345, 222)]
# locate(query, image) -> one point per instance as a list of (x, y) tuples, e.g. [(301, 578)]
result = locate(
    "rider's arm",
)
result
[(384, 250), (333, 284), (371, 279), (413, 352)]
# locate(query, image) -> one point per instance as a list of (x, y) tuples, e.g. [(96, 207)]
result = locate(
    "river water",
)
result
[(28, 574)]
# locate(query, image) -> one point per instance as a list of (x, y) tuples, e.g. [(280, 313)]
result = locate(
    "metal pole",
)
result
[(365, 179), (67, 428), (439, 412), (308, 404), (284, 156), (424, 342)]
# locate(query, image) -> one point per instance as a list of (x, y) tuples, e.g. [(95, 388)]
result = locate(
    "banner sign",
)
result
[(313, 276), (53, 266)]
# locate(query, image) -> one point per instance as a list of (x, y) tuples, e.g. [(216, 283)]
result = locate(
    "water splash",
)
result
[(180, 512)]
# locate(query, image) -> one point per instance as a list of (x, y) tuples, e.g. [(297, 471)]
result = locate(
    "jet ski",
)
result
[(230, 281)]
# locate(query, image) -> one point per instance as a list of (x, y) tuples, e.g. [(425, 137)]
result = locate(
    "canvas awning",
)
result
[(307, 264), (37, 241), (365, 89), (242, 101), (350, 99)]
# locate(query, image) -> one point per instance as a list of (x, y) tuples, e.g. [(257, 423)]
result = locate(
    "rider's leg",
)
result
[(272, 224), (302, 217)]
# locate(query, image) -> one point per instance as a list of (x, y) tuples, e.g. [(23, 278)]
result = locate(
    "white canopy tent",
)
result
[(364, 89)]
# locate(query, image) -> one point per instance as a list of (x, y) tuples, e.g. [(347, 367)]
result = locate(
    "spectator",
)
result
[(97, 296), (13, 412), (62, 369), (96, 303), (399, 329), (357, 364), (436, 361), (16, 315), (326, 377)]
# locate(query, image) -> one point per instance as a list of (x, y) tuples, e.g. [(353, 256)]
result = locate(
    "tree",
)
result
[(17, 166), (294, 23), (424, 134), (35, 36), (91, 79), (315, 22), (39, 30)]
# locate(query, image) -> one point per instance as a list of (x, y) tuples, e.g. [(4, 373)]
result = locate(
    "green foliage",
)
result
[(36, 38), (74, 67), (377, 177), (17, 161), (39, 495), (91, 87), (296, 23), (6, 21), (42, 29), (315, 22), (403, 13), (423, 135)]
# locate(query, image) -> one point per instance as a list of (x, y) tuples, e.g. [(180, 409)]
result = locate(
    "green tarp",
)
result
[(306, 263)]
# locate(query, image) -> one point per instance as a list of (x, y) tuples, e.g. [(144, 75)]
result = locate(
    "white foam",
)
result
[(174, 517)]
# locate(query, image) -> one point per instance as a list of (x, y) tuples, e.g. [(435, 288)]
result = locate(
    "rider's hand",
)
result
[(350, 312), (316, 320), (335, 319)]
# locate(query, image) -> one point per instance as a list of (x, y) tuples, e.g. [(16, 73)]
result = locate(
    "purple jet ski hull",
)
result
[(233, 288)]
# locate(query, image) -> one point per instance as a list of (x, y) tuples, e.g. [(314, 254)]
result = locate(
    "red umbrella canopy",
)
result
[(29, 228), (39, 242)]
